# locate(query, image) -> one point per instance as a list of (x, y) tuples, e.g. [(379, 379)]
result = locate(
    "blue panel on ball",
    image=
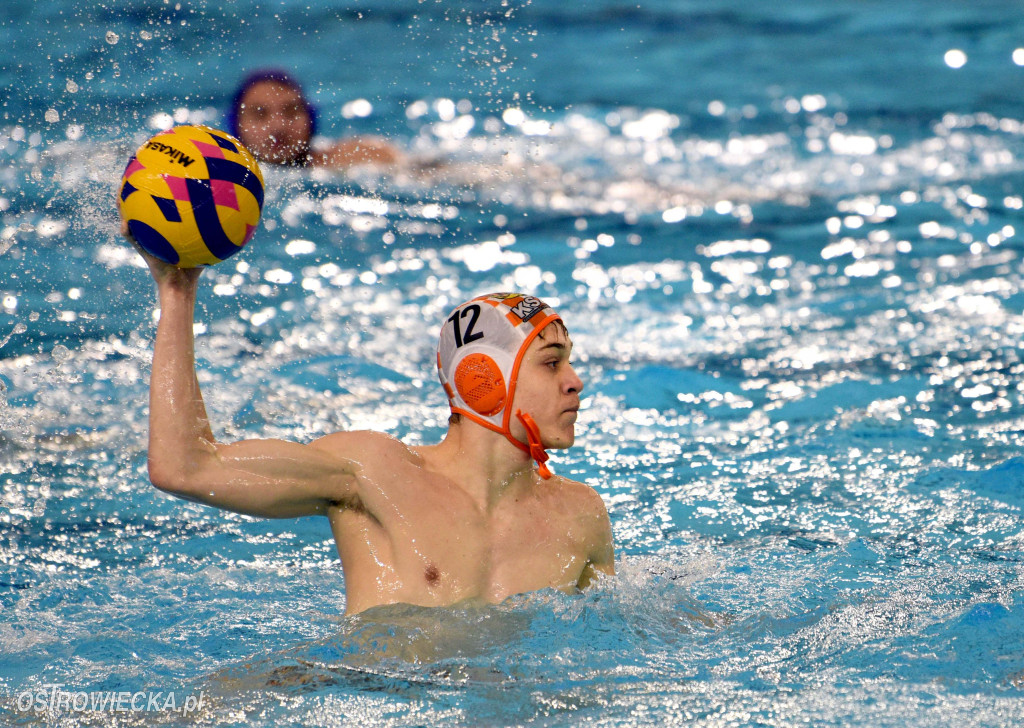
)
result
[(224, 143), (168, 207), (127, 189), (205, 211), (239, 174), (153, 242)]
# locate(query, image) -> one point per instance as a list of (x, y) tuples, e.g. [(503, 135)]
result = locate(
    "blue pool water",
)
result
[(789, 243)]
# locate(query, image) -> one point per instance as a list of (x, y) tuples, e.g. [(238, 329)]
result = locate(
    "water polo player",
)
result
[(477, 516), (271, 115)]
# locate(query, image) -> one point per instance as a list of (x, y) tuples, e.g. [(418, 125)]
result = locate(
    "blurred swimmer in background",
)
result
[(271, 115)]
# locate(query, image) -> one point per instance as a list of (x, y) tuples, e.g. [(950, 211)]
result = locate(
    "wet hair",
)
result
[(268, 74), (558, 324)]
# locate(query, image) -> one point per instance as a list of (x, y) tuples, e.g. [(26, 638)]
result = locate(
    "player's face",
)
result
[(274, 123), (548, 389)]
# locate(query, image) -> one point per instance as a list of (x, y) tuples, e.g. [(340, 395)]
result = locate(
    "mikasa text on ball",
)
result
[(191, 196)]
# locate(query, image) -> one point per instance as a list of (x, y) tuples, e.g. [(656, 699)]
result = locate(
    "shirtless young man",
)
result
[(477, 516)]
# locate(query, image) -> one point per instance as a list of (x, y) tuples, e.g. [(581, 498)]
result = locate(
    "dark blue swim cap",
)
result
[(267, 74)]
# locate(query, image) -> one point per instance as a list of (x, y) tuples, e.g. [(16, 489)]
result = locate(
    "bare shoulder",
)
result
[(362, 445), (591, 524), (383, 466), (580, 497)]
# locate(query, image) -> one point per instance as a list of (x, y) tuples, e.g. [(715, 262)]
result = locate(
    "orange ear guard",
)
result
[(479, 382)]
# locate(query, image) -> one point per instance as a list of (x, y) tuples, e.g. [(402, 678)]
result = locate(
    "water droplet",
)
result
[(60, 354), (52, 116), (112, 37), (71, 87)]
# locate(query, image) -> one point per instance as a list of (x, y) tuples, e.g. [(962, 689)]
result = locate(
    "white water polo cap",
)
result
[(478, 356)]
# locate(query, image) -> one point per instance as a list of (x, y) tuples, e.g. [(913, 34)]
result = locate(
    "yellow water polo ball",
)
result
[(191, 196)]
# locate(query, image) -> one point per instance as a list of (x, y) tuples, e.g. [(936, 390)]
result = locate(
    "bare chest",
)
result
[(442, 551)]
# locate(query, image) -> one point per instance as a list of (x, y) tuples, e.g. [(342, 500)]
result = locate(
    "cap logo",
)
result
[(527, 308)]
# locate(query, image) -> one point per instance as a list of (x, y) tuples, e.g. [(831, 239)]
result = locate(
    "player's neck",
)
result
[(484, 463)]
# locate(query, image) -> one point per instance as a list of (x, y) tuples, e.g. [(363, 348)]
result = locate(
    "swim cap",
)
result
[(478, 356)]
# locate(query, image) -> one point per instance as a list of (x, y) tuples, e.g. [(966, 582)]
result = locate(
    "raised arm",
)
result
[(271, 478)]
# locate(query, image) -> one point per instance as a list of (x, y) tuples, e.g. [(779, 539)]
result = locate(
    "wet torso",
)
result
[(416, 537)]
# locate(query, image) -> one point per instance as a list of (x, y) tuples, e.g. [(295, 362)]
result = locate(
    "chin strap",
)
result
[(537, 451)]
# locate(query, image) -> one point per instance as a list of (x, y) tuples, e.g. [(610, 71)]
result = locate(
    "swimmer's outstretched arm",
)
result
[(356, 151), (270, 478)]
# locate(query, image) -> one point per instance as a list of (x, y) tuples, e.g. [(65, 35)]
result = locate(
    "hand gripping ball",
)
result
[(191, 196)]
